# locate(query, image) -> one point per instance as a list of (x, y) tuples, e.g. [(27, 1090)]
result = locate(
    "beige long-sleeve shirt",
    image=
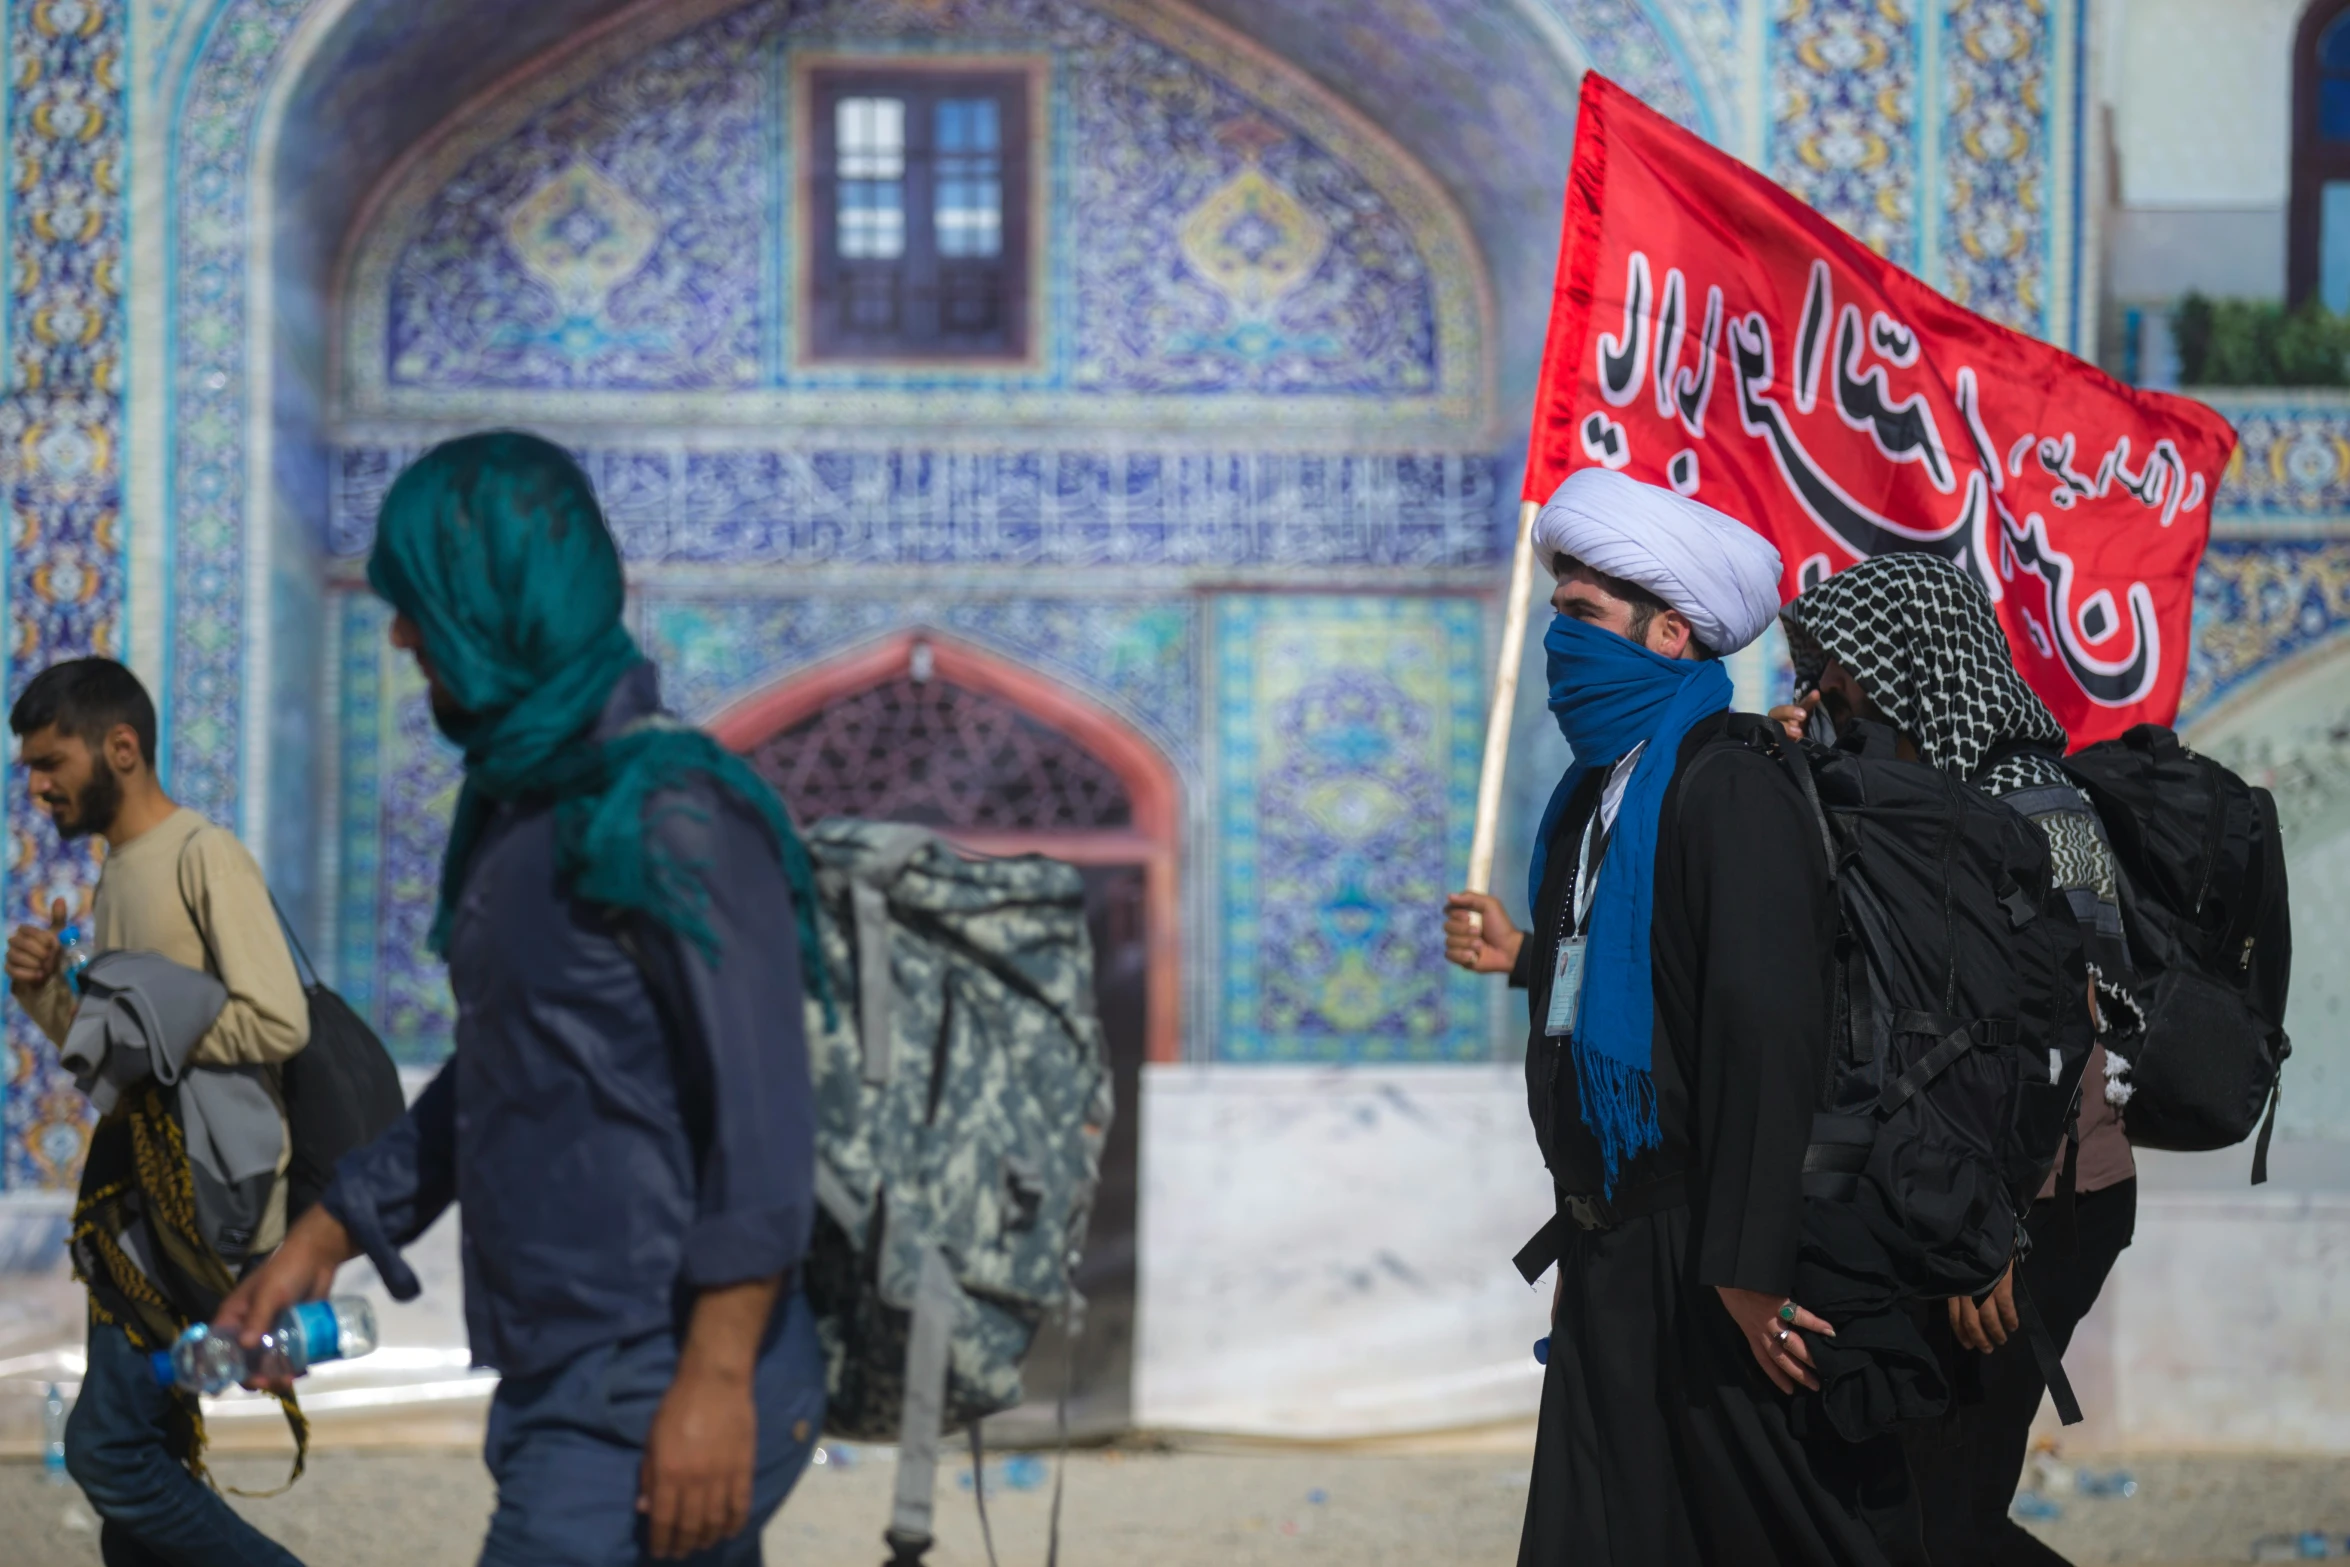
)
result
[(147, 892)]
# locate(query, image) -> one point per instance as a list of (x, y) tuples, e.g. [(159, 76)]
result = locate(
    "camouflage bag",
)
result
[(962, 1101)]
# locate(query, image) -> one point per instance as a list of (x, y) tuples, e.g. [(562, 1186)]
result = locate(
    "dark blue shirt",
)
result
[(622, 1123)]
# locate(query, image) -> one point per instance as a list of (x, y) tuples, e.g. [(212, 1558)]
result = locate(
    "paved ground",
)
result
[(1168, 1509)]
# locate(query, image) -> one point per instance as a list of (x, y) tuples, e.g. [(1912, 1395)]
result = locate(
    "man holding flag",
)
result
[(1678, 1025), (1715, 343)]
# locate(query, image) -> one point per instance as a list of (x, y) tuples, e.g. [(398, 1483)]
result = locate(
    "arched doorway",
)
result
[(999, 760)]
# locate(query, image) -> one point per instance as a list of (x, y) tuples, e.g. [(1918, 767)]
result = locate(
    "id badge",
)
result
[(1566, 989)]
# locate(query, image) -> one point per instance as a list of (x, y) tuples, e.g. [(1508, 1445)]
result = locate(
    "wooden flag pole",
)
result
[(1505, 704)]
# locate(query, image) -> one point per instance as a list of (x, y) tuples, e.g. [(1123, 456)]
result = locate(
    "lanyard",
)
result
[(1591, 856)]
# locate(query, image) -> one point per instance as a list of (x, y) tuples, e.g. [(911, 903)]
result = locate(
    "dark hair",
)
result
[(86, 698), (1646, 606)]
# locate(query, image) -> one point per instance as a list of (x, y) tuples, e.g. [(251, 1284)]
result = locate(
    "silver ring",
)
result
[(1779, 1339)]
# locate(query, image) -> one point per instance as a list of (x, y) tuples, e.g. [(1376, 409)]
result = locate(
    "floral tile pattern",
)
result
[(613, 241), (1843, 111), (2258, 603), (2292, 462), (62, 318), (1350, 732), (1998, 59), (629, 234)]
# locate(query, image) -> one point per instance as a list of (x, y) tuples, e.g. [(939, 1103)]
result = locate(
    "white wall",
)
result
[(1326, 1252), (2201, 93), (2222, 1327)]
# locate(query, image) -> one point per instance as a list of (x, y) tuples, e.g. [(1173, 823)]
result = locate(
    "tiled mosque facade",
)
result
[(1241, 500), (1245, 491)]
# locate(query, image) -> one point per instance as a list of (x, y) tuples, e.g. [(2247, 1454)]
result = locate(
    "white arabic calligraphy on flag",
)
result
[(1797, 380)]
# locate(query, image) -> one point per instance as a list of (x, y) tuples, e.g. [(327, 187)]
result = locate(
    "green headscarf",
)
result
[(493, 545)]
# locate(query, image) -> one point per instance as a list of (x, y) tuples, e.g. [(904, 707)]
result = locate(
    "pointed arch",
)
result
[(1153, 792)]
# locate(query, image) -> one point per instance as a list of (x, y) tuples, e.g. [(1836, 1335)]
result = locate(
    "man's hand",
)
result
[(1795, 717), (1986, 1327), (1478, 935), (1786, 1360), (695, 1487), (301, 1269), (33, 950)]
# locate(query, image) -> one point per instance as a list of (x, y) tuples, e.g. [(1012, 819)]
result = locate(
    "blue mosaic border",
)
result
[(64, 568), (1084, 507)]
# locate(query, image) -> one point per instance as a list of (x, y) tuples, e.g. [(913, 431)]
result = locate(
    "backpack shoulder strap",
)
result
[(1753, 733), (305, 971), (2047, 800), (195, 920), (2044, 1350)]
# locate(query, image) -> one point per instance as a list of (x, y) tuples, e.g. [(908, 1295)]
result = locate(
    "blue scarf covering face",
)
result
[(1610, 694)]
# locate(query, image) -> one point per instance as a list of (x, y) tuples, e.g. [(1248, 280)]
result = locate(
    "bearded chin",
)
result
[(95, 808)]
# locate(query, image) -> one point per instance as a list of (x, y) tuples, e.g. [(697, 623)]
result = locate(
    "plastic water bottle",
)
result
[(304, 1336), (53, 1436), (73, 956)]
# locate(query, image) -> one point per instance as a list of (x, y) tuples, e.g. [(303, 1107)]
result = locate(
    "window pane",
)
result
[(2333, 108), (970, 198), (871, 137), (872, 220), (2333, 46), (2333, 246), (870, 150), (968, 125)]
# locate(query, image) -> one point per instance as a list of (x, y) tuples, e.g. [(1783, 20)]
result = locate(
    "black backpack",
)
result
[(2202, 872), (341, 1089), (1962, 1027), (1961, 1033)]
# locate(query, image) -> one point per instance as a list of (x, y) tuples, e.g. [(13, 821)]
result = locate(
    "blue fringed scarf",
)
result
[(1609, 694)]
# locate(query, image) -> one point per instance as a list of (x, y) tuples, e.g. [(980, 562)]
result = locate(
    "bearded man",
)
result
[(627, 1119), (1678, 981), (177, 885)]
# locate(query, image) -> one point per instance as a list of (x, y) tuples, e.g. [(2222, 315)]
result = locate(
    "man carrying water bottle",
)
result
[(176, 885), (626, 1121)]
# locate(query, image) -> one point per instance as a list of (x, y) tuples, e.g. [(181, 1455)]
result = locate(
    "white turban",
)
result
[(1713, 568)]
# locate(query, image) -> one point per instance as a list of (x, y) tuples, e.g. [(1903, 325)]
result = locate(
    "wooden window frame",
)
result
[(2316, 162), (825, 338)]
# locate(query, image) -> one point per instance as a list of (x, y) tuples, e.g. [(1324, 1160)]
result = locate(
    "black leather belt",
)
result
[(1591, 1214)]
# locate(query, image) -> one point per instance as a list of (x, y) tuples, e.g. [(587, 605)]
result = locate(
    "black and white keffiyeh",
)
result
[(1919, 634)]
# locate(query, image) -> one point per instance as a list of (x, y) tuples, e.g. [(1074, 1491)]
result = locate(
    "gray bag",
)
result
[(962, 1102)]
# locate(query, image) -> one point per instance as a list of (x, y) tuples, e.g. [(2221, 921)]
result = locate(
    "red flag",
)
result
[(1713, 333)]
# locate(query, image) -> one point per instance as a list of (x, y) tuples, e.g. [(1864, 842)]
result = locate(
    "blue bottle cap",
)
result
[(160, 1364), (1542, 1352)]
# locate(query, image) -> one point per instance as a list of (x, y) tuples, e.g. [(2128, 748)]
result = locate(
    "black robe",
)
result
[(1661, 1441)]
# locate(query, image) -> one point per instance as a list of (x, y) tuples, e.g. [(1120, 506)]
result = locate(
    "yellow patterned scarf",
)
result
[(138, 1169)]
